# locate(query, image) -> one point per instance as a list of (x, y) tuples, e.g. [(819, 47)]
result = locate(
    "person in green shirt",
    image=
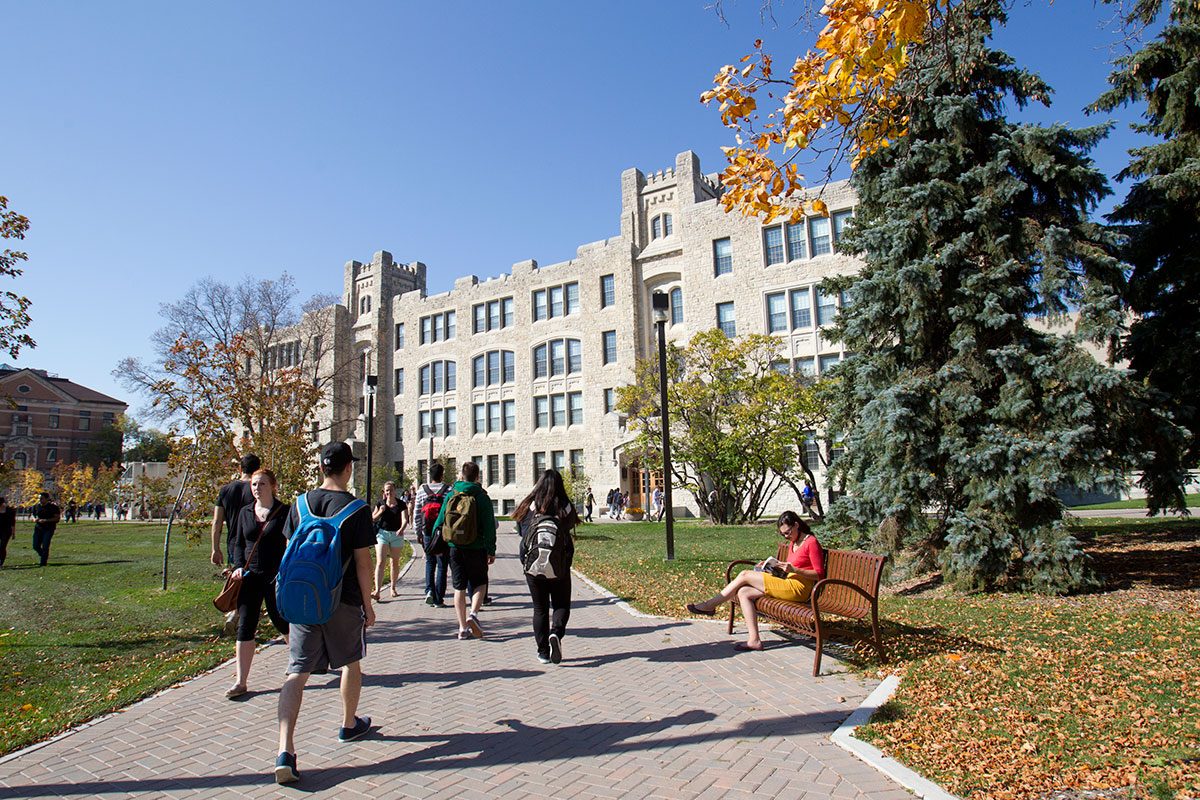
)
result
[(469, 561)]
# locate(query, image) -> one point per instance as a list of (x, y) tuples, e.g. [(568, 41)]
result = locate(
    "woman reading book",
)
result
[(792, 579)]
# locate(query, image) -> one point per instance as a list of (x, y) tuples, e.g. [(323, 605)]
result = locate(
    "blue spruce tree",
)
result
[(972, 397)]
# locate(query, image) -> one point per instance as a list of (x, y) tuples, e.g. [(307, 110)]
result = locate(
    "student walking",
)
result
[(45, 520), (233, 497), (426, 508), (339, 642), (546, 520), (391, 519), (470, 529), (8, 527), (257, 551), (588, 504)]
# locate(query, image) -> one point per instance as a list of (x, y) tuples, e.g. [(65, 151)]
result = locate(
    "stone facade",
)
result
[(591, 318)]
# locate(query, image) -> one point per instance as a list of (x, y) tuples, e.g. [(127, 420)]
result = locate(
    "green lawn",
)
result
[(1003, 695), (93, 631), (1192, 500)]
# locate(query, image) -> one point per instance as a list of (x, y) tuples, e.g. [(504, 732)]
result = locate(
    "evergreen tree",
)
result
[(1161, 218), (967, 397)]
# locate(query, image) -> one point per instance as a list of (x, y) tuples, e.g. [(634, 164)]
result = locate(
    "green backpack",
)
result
[(461, 525)]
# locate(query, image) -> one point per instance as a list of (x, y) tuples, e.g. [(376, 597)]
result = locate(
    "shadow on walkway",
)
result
[(520, 744)]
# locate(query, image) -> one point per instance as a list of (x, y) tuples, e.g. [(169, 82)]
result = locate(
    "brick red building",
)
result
[(45, 420)]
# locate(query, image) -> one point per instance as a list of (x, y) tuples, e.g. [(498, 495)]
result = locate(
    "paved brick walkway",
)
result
[(638, 708)]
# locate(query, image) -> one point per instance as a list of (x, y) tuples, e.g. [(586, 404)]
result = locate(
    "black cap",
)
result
[(336, 455)]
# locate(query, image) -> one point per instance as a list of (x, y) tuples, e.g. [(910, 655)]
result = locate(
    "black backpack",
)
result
[(547, 548)]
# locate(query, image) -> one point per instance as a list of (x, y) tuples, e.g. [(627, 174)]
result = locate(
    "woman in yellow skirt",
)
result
[(793, 580)]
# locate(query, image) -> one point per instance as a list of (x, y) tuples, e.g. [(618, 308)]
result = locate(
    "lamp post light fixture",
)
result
[(661, 303), (370, 387)]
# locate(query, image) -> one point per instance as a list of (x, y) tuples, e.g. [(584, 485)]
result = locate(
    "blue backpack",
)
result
[(309, 585)]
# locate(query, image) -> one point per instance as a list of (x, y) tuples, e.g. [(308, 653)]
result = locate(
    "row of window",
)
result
[(498, 367), (812, 237), (21, 421), (555, 301), (493, 315), (792, 310), (497, 470), (661, 226), (557, 461), (436, 328), (494, 417), (500, 416)]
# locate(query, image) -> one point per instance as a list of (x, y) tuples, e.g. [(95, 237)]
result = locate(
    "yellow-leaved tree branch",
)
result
[(836, 101)]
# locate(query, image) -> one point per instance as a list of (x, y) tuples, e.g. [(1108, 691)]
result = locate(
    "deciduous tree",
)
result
[(14, 308)]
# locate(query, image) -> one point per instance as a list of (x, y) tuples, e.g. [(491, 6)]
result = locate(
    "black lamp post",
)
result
[(661, 304), (372, 384)]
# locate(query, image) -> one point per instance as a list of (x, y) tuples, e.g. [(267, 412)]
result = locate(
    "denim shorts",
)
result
[(390, 538)]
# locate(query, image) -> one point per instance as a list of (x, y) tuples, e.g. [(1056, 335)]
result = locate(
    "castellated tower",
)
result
[(367, 293)]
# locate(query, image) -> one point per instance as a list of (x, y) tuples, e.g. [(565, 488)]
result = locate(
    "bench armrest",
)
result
[(732, 564), (821, 584)]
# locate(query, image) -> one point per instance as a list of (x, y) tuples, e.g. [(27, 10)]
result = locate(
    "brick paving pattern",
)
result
[(639, 708)]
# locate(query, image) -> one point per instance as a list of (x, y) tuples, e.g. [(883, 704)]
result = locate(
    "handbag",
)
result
[(227, 600)]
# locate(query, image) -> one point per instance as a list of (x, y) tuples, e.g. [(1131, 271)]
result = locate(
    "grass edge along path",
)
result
[(93, 632), (1002, 695)]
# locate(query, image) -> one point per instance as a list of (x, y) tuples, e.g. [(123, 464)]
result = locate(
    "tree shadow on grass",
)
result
[(71, 564), (1165, 556)]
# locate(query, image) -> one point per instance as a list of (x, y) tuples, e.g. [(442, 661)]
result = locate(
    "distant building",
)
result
[(50, 420)]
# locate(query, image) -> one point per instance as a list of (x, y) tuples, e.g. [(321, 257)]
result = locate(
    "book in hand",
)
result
[(772, 565)]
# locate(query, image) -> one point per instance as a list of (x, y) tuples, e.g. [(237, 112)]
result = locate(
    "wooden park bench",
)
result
[(850, 591)]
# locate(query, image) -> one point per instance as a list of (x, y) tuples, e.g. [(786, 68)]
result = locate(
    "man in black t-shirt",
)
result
[(233, 497), (340, 642), (45, 520), (8, 527)]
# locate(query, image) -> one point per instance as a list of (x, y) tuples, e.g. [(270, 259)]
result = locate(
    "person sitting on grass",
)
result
[(793, 580)]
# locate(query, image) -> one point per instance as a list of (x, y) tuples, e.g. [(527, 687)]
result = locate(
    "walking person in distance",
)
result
[(391, 519), (45, 520), (546, 520), (467, 523)]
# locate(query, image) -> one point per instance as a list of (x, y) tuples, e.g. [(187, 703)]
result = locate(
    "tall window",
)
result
[(677, 306), (609, 340), (660, 226), (492, 315), (725, 319), (777, 316), (556, 301), (805, 366), (558, 357), (826, 307), (541, 412), (610, 400), (801, 300), (559, 459), (437, 377), (438, 327), (558, 410), (773, 243), (840, 220), (510, 469), (539, 465), (493, 470), (819, 230), (493, 368), (722, 257), (608, 290), (398, 433), (827, 362), (479, 419), (509, 410), (399, 380), (575, 408), (54, 417), (399, 335), (85, 420)]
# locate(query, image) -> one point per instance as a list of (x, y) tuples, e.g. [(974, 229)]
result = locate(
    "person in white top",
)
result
[(426, 506)]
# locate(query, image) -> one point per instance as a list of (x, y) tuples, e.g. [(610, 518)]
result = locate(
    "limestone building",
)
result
[(518, 372)]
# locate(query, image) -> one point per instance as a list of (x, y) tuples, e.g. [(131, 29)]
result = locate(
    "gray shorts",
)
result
[(319, 648)]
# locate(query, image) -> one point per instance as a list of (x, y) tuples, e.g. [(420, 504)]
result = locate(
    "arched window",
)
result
[(676, 306), (493, 368), (438, 376), (20, 460), (558, 357), (661, 226)]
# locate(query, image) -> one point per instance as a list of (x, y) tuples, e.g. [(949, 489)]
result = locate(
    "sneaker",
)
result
[(555, 648), (361, 726), (487, 600), (429, 601), (543, 658), (473, 626), (463, 635), (285, 768)]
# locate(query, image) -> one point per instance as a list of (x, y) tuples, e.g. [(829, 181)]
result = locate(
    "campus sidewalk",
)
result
[(638, 708)]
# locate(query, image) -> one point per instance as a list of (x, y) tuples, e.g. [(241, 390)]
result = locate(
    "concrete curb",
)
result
[(844, 737)]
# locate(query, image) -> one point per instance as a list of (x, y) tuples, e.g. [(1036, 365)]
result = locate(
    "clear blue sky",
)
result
[(154, 143)]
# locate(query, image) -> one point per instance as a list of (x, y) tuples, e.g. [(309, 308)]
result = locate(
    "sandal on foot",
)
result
[(696, 609), (237, 690), (742, 647)]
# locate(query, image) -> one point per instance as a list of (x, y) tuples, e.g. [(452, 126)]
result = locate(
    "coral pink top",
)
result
[(808, 556)]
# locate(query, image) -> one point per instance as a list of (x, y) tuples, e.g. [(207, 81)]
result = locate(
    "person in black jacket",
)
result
[(549, 499), (257, 550)]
